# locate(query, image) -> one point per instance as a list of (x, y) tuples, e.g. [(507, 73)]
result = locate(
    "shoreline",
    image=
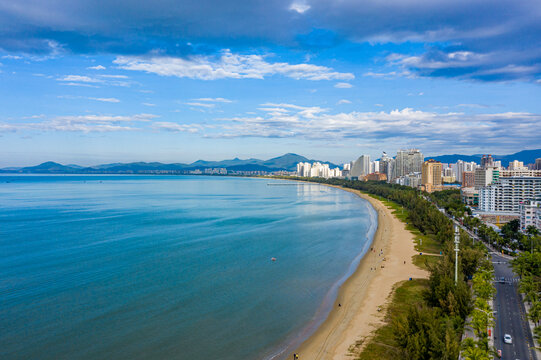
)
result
[(348, 326)]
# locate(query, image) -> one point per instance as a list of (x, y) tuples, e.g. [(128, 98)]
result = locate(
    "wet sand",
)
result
[(366, 291)]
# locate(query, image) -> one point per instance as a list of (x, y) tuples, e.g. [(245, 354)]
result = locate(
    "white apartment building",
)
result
[(304, 169), (317, 170), (516, 165), (407, 161), (374, 167), (524, 171), (485, 176), (506, 194), (460, 166), (360, 167), (530, 215), (412, 180)]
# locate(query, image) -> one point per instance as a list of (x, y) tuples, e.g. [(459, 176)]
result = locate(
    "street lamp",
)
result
[(457, 241)]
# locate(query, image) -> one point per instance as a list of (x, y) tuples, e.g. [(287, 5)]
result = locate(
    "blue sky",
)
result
[(91, 82)]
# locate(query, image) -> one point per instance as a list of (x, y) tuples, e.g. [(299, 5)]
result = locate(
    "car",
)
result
[(507, 339)]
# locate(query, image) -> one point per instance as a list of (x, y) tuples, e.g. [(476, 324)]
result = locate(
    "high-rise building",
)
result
[(487, 161), (407, 162), (386, 165), (431, 175), (483, 177), (304, 169), (507, 193), (360, 167), (516, 165), (374, 167), (468, 179), (519, 172), (530, 214), (317, 170), (462, 166), (538, 164)]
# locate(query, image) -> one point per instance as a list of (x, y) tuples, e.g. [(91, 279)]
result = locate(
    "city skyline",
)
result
[(178, 82)]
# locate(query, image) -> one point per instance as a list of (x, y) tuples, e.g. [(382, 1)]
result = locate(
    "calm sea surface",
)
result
[(159, 267)]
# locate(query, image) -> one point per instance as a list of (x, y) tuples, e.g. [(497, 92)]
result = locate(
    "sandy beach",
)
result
[(368, 289)]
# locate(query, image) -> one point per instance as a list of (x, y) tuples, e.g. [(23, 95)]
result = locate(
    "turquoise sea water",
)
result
[(159, 267)]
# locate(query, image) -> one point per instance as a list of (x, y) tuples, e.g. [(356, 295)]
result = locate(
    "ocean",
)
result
[(171, 267)]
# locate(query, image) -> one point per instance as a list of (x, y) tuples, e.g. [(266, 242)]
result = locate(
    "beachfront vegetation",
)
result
[(528, 266), (431, 327)]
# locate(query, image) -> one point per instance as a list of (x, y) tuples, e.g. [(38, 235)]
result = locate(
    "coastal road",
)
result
[(510, 314)]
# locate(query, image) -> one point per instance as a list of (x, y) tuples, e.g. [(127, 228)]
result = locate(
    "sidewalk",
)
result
[(532, 326)]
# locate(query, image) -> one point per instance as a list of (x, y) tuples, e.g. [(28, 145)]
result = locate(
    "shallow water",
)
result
[(154, 267)]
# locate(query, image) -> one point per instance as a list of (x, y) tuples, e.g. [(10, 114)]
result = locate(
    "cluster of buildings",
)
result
[(496, 192), (317, 169)]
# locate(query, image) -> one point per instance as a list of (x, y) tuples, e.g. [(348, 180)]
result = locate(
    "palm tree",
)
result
[(472, 352), (535, 312), (532, 234)]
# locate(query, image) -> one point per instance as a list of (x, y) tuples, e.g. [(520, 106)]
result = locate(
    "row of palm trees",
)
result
[(528, 266), (481, 317)]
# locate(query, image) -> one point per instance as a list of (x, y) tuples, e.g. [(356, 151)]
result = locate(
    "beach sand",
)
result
[(368, 289)]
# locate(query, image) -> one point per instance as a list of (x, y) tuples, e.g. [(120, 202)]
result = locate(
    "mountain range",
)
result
[(286, 162), (526, 156)]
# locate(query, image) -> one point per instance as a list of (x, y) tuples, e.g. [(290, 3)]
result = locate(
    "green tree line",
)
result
[(433, 329)]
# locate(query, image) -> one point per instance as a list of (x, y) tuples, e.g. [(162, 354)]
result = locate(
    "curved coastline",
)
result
[(366, 290), (330, 300)]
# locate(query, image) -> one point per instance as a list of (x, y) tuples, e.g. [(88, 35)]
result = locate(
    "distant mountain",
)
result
[(526, 156), (285, 162), (49, 167), (455, 157)]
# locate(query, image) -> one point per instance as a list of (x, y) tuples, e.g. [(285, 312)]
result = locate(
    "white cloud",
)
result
[(473, 106), (79, 84), (404, 126), (83, 80), (79, 78), (111, 100), (175, 127), (83, 123), (114, 76), (97, 67), (344, 101), (343, 85), (227, 66), (106, 118), (379, 75), (220, 100), (199, 104), (12, 57), (148, 104), (299, 6)]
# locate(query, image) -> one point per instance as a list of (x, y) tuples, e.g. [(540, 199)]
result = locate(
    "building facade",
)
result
[(468, 179), (360, 167), (506, 194), (530, 215), (407, 162), (431, 175)]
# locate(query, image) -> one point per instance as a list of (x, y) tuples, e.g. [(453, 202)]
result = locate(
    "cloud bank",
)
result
[(227, 65), (484, 40)]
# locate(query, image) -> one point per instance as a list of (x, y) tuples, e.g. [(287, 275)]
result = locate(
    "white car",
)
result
[(507, 339)]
